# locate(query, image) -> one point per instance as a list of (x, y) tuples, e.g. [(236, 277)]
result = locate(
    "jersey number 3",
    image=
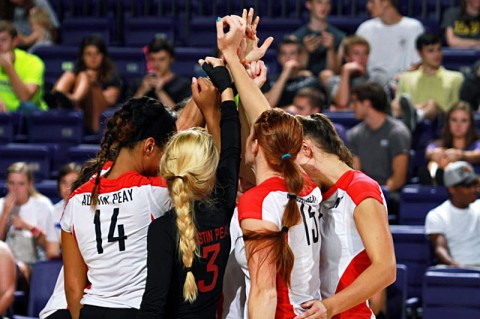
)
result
[(111, 233)]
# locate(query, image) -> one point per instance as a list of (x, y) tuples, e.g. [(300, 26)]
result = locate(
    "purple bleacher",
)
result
[(57, 59), (348, 24), (56, 126), (417, 200), (454, 59), (397, 294), (81, 153), (346, 118), (413, 250), (278, 28), (74, 29), (6, 128), (139, 31), (37, 156), (186, 60), (49, 188), (130, 62), (202, 32), (451, 292), (43, 278)]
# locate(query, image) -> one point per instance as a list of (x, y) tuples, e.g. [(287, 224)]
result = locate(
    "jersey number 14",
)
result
[(111, 233)]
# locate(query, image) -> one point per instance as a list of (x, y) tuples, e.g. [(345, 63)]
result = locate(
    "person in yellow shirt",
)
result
[(430, 90), (21, 75)]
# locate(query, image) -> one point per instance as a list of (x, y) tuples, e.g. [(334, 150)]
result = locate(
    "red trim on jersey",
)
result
[(354, 269), (358, 186), (73, 232), (127, 180), (251, 202), (284, 306)]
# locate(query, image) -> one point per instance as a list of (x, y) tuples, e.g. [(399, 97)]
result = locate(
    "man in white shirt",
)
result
[(454, 226), (391, 37)]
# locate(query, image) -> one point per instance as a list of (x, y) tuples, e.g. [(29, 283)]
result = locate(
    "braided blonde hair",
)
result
[(189, 165)]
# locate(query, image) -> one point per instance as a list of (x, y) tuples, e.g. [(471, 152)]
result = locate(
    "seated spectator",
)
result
[(93, 86), (281, 89), (454, 227), (356, 50), (459, 142), (380, 144), (21, 75), (41, 26), (429, 91), (462, 25), (391, 37), (161, 82), (66, 176), (22, 10), (24, 216), (307, 101), (469, 91), (320, 40), (7, 278)]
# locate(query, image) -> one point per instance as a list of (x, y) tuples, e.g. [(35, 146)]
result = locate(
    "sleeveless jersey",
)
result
[(113, 238), (267, 202), (343, 256)]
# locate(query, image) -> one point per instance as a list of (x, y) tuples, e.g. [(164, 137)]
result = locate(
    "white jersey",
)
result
[(267, 202), (113, 238), (392, 47), (35, 211), (343, 256), (461, 228), (54, 231)]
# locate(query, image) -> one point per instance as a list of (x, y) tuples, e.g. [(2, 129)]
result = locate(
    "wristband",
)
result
[(219, 76), (35, 231)]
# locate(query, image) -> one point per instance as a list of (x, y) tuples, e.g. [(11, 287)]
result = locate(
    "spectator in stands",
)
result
[(307, 101), (23, 9), (7, 278), (24, 216), (283, 87), (459, 142), (320, 40), (454, 226), (429, 91), (391, 37), (21, 75), (380, 144), (93, 86), (41, 26), (356, 50), (462, 25), (67, 174), (469, 90), (161, 82)]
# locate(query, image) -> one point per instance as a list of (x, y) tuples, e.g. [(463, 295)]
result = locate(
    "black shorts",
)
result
[(94, 312), (60, 314)]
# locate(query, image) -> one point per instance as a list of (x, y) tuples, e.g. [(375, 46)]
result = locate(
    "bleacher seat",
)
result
[(202, 32), (451, 292), (81, 153), (130, 63), (37, 156), (74, 29), (347, 119), (413, 250), (397, 294), (139, 31), (56, 126), (417, 200), (44, 276), (454, 59), (57, 59), (278, 28), (49, 188), (6, 128), (186, 60), (348, 24)]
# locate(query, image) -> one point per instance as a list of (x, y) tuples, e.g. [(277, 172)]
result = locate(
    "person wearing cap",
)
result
[(454, 227)]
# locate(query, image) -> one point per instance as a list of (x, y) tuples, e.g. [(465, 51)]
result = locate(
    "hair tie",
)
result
[(292, 196), (188, 269), (181, 177), (285, 229), (284, 156)]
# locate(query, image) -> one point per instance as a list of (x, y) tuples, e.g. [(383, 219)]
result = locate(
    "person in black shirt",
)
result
[(161, 83), (188, 247)]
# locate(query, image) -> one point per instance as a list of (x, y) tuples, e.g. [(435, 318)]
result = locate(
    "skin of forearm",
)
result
[(21, 89)]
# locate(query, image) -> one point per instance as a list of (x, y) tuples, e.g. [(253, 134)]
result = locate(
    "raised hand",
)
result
[(205, 95), (229, 42), (217, 72), (257, 72)]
